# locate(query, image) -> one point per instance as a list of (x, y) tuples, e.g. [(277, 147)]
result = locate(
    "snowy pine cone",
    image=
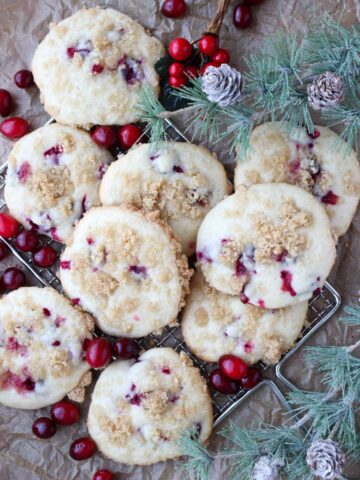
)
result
[(325, 459), (223, 85), (326, 91), (265, 468)]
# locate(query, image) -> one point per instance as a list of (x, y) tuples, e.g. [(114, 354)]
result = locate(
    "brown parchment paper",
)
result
[(23, 23)]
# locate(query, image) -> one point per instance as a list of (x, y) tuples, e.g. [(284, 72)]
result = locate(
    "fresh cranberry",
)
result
[(180, 49), (3, 251), (98, 353), (82, 448), (252, 378), (221, 56), (13, 278), (173, 8), (208, 44), (5, 102), (14, 127), (65, 413), (23, 79), (176, 69), (44, 257), (44, 428), (207, 65), (27, 241), (286, 286), (177, 82), (191, 71), (125, 348), (104, 136), (242, 16), (330, 198), (233, 367), (9, 227), (221, 383), (129, 135), (103, 475)]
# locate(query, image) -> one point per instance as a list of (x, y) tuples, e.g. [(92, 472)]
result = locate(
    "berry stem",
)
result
[(215, 24)]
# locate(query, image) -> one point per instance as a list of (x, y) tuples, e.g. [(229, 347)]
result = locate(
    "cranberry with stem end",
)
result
[(208, 44), (129, 135), (252, 378), (207, 65), (176, 69), (3, 251), (221, 56), (104, 136), (180, 49), (27, 241), (173, 8), (82, 448), (5, 102), (44, 257), (14, 127), (98, 353), (65, 413), (178, 82), (233, 367), (23, 79), (242, 16), (44, 428), (103, 475), (13, 278), (223, 384), (9, 227), (125, 348)]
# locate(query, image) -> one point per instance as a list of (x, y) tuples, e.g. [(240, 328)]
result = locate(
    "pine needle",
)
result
[(199, 461), (149, 109)]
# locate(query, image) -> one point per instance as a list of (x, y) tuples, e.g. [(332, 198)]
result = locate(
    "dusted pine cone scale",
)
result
[(223, 85), (325, 459), (326, 91)]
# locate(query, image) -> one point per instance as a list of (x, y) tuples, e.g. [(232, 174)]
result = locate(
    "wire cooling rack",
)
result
[(321, 308)]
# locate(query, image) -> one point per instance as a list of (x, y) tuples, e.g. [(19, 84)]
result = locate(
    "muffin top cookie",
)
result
[(95, 54), (139, 409), (53, 177), (181, 180), (271, 244), (317, 163), (126, 268), (214, 324), (41, 348)]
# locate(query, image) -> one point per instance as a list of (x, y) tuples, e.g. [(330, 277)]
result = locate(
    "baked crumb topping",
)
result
[(155, 403)]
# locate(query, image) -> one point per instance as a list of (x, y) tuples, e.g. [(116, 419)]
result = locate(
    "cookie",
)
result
[(139, 409), (126, 268), (90, 68), (214, 324), (53, 177), (41, 348), (271, 244), (317, 163), (181, 180)]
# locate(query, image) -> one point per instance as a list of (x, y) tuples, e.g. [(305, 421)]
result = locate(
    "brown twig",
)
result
[(215, 24)]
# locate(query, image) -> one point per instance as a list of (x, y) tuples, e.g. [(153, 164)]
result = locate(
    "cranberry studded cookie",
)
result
[(316, 163), (126, 268), (42, 340), (271, 244), (214, 324), (181, 180), (91, 66), (53, 177), (139, 409)]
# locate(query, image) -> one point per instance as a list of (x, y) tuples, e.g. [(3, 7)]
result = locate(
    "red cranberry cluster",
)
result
[(14, 127), (116, 138), (100, 350), (232, 374), (242, 16)]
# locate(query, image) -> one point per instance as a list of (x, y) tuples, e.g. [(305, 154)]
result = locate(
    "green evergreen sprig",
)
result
[(200, 460)]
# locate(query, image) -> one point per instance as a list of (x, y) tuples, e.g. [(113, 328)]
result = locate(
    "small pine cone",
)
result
[(223, 85), (265, 468), (325, 459), (326, 91)]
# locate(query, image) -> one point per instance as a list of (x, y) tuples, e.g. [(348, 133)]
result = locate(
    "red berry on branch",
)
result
[(176, 69), (242, 16), (104, 136), (65, 413), (173, 8), (82, 448), (177, 82), (9, 227), (125, 348), (191, 71), (5, 102), (44, 428), (252, 378), (98, 353), (27, 241), (207, 65), (14, 127), (12, 279), (208, 44), (233, 367), (103, 475), (129, 135), (23, 79), (223, 384), (44, 257), (221, 56), (180, 49)]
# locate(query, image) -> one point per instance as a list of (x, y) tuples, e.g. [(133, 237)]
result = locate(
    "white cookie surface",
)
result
[(271, 244), (139, 409), (316, 163), (214, 324), (125, 268), (181, 180), (53, 177), (41, 347), (91, 66)]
